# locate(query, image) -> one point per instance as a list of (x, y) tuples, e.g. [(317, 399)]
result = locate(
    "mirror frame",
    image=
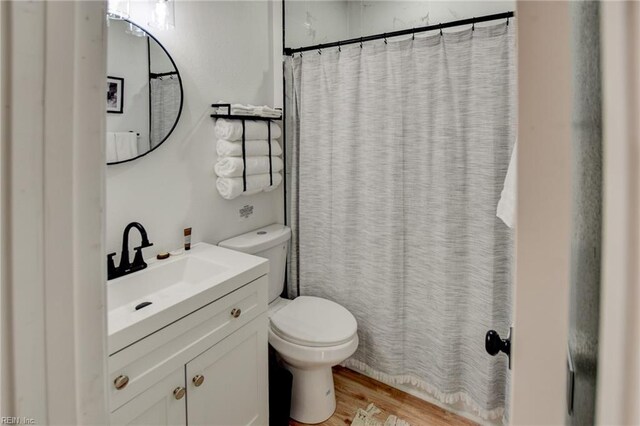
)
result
[(181, 94)]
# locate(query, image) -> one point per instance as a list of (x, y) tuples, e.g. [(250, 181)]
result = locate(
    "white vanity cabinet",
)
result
[(209, 367)]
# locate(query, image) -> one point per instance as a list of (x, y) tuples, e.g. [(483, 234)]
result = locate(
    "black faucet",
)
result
[(125, 266)]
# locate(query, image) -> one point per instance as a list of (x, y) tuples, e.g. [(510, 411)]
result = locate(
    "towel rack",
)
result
[(244, 118)]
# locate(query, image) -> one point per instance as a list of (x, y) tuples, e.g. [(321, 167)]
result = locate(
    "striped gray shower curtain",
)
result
[(397, 155), (165, 106)]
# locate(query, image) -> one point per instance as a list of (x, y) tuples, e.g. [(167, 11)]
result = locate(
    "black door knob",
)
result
[(494, 344)]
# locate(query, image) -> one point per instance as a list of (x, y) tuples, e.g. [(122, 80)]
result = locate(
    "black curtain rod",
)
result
[(469, 21), (162, 74)]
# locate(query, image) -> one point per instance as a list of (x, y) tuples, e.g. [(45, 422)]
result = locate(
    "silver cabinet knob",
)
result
[(179, 392), (198, 380), (235, 312), (121, 381)]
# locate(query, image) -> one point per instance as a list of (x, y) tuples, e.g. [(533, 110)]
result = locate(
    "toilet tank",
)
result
[(270, 242)]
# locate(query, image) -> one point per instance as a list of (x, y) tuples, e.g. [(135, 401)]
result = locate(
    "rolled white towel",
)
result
[(235, 111), (241, 109), (233, 166), (231, 130), (238, 109), (126, 145), (230, 188), (253, 148), (265, 111), (112, 155), (270, 114)]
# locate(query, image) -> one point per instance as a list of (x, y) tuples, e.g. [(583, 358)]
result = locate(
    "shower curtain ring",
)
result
[(413, 34), (385, 38), (440, 28), (360, 42), (507, 21), (319, 51), (473, 24), (339, 48)]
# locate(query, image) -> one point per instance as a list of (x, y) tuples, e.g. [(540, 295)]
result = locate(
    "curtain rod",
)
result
[(162, 74), (470, 21)]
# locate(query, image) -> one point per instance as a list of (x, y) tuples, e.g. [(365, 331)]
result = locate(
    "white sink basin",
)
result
[(169, 289), (179, 276)]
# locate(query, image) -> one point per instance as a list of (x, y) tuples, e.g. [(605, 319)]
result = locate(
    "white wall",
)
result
[(313, 22), (374, 17), (224, 51), (227, 51), (160, 62)]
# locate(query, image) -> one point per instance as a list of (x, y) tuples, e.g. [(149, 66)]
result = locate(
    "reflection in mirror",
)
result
[(144, 92)]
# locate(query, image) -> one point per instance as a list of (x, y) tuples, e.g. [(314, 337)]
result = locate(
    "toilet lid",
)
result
[(313, 321)]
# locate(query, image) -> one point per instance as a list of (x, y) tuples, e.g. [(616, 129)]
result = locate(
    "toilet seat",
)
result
[(315, 322)]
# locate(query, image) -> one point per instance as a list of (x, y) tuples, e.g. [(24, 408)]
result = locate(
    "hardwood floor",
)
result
[(353, 391)]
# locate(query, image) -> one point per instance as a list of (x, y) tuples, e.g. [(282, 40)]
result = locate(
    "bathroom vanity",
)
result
[(196, 346)]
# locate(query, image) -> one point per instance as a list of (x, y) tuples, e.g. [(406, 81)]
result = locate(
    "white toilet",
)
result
[(311, 334)]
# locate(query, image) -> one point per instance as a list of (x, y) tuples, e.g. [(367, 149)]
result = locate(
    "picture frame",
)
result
[(115, 95)]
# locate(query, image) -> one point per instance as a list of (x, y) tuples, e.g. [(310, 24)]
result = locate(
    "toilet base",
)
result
[(313, 398)]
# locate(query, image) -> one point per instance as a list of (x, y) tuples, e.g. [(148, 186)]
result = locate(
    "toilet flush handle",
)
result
[(235, 312)]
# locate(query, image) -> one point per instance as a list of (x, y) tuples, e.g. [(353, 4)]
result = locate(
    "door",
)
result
[(228, 384), (543, 229), (541, 309), (162, 404), (618, 386)]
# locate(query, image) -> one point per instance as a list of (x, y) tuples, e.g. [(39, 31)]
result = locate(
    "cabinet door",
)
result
[(157, 405), (227, 384)]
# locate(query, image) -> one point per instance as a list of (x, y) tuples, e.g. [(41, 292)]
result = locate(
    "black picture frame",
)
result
[(115, 95)]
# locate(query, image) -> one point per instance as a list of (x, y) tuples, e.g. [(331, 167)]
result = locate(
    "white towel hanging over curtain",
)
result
[(507, 205)]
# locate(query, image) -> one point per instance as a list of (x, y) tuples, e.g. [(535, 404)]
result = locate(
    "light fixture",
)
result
[(118, 9), (163, 15)]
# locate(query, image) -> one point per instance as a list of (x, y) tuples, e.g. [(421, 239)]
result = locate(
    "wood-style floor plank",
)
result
[(353, 391)]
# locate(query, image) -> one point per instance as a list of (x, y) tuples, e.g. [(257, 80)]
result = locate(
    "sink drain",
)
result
[(142, 305)]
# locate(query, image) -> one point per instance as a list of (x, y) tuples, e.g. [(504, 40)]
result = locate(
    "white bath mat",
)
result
[(394, 421), (366, 418)]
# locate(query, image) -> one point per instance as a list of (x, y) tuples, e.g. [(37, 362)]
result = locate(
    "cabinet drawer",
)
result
[(150, 359)]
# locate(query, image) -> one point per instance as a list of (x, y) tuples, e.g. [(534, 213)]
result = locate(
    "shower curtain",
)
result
[(165, 104), (397, 156)]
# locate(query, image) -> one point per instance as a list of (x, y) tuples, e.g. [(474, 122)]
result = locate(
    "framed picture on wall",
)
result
[(115, 93)]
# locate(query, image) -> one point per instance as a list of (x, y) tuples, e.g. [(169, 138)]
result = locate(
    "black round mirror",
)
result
[(144, 92)]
